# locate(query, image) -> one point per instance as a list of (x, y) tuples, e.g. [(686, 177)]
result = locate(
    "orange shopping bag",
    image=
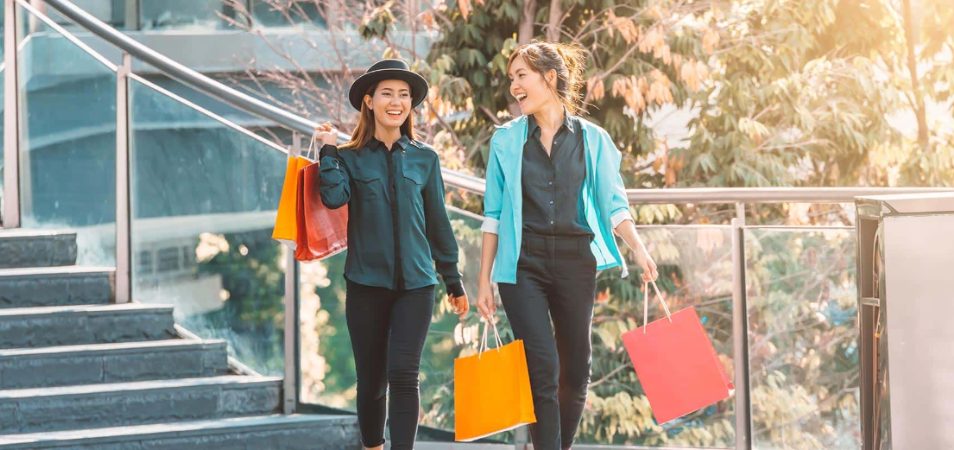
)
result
[(286, 226), (675, 362), (322, 232), (492, 390)]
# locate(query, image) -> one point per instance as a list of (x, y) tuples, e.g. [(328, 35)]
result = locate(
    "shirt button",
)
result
[(552, 202), (550, 183), (552, 222)]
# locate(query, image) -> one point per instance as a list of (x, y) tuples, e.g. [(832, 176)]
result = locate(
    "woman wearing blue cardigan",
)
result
[(554, 201)]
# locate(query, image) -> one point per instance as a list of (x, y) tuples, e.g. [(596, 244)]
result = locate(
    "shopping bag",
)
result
[(286, 226), (492, 390), (322, 232), (675, 362)]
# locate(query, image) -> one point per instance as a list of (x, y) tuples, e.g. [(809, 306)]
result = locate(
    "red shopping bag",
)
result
[(676, 363), (322, 232)]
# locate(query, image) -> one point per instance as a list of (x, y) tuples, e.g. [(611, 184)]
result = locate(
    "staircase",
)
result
[(79, 372)]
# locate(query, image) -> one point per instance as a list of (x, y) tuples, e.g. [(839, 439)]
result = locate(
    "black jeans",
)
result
[(556, 280), (387, 329)]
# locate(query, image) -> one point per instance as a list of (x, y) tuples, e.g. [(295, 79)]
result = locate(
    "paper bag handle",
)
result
[(483, 340), (659, 296)]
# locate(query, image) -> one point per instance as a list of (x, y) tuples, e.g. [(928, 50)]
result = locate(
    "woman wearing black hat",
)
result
[(398, 231)]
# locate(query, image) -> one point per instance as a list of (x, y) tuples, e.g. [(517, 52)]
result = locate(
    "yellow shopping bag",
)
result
[(492, 390), (286, 228)]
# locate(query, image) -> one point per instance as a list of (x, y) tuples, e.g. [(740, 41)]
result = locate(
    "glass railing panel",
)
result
[(327, 365), (695, 269), (203, 202), (67, 140), (803, 352)]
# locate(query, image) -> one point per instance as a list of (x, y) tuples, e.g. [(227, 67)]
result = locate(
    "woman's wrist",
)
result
[(328, 150)]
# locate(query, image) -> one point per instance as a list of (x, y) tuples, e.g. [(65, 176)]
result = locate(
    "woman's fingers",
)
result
[(486, 306), (460, 304), (483, 309)]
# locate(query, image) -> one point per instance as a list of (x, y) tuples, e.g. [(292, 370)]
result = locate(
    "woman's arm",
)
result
[(335, 183), (627, 230), (440, 235), (611, 182), (493, 198), (485, 291)]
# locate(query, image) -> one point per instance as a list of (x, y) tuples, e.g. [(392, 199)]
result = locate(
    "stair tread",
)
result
[(132, 386), (182, 428), (79, 350), (51, 310), (56, 270)]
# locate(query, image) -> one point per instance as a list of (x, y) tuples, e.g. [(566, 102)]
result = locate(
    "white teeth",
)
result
[(394, 113), (520, 97)]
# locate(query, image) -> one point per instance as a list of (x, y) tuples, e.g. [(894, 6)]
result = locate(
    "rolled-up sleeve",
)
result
[(493, 194), (612, 181)]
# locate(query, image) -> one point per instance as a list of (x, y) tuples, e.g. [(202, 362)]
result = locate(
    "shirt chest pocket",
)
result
[(414, 176), (369, 186)]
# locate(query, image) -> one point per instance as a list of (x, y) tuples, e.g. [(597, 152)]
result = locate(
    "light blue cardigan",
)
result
[(604, 196)]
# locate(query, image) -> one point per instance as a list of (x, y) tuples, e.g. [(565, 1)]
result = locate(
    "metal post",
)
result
[(11, 118), (123, 209), (740, 340), (740, 212), (131, 21), (521, 438), (291, 384)]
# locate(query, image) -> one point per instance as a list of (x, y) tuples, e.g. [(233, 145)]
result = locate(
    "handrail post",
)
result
[(123, 209), (11, 118), (521, 438), (740, 342), (291, 385)]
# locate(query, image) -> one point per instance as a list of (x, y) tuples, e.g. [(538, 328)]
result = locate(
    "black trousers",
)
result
[(556, 282), (387, 329)]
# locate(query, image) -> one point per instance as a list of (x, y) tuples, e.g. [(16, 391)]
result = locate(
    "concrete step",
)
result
[(272, 432), (87, 324), (56, 286), (136, 403), (36, 248), (111, 363)]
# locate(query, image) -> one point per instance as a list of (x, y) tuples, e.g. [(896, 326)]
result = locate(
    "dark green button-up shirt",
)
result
[(398, 229)]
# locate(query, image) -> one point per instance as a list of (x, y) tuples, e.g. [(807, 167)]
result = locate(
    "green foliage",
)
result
[(252, 314)]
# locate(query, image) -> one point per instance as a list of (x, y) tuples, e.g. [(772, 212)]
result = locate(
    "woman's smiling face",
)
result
[(528, 87), (390, 103)]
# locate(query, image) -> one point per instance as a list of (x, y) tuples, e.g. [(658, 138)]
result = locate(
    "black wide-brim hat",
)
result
[(388, 69)]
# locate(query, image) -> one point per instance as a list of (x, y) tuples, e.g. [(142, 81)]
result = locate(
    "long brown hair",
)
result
[(567, 60), (364, 131)]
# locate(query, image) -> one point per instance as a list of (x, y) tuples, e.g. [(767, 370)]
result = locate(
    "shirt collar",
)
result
[(569, 122), (375, 144)]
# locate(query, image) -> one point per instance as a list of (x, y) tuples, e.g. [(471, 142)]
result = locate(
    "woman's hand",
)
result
[(486, 303), (326, 134), (460, 304), (646, 264)]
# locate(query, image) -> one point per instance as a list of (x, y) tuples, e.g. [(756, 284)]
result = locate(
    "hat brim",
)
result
[(364, 82)]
